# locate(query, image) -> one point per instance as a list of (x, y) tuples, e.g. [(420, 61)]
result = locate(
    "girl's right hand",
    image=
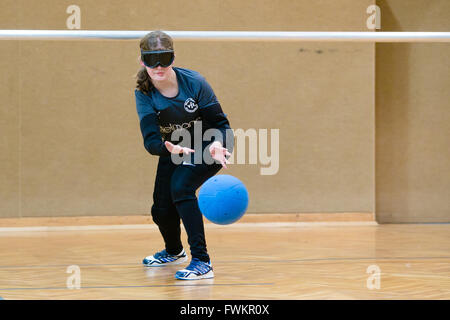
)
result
[(174, 148)]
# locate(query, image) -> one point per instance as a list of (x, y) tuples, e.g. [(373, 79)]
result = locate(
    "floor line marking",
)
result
[(147, 286), (232, 261)]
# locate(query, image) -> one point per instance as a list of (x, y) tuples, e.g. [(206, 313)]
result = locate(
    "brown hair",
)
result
[(151, 41)]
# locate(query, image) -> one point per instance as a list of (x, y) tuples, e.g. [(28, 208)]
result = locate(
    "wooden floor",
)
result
[(288, 260)]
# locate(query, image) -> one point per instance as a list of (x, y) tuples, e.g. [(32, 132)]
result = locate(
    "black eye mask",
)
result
[(152, 59)]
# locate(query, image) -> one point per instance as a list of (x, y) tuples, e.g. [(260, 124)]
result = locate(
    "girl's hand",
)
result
[(174, 148), (218, 153)]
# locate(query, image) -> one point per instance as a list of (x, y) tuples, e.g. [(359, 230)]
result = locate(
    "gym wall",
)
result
[(71, 144), (413, 116)]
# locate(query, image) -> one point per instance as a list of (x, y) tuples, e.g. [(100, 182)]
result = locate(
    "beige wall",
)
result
[(71, 143), (413, 116)]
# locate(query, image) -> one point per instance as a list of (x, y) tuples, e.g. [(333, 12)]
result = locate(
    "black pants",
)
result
[(174, 198)]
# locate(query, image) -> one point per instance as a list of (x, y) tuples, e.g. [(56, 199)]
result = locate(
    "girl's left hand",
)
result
[(218, 153)]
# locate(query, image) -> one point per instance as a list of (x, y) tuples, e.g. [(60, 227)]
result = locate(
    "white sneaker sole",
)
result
[(209, 275)]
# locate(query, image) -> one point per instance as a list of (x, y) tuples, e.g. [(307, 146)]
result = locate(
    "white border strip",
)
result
[(207, 226), (323, 36)]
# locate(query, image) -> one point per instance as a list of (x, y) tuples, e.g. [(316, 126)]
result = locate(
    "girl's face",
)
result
[(159, 73)]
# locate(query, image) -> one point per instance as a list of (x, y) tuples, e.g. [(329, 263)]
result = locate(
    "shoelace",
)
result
[(198, 266), (161, 254)]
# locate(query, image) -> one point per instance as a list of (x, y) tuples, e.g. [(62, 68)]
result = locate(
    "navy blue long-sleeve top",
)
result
[(161, 116)]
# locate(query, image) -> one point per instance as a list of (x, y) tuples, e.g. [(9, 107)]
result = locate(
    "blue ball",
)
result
[(223, 199)]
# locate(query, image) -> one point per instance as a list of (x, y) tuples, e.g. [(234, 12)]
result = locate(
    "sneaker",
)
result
[(196, 270), (162, 258)]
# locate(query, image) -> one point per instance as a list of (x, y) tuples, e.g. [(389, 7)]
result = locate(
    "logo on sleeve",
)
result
[(190, 105)]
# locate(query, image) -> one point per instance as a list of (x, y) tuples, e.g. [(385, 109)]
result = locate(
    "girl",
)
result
[(169, 100)]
